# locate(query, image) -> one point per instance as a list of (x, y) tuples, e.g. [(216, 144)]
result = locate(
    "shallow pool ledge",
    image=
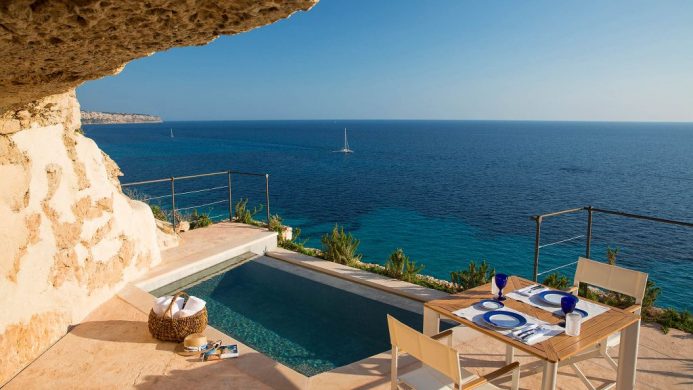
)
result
[(393, 286)]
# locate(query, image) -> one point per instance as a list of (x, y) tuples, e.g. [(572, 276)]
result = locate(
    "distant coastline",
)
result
[(109, 118)]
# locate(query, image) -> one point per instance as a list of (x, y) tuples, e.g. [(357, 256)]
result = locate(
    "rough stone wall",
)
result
[(69, 238), (52, 46)]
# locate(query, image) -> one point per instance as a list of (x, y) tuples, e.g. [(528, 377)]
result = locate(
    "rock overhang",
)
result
[(51, 46)]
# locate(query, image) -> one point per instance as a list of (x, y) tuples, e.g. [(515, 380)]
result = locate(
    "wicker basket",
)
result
[(166, 328)]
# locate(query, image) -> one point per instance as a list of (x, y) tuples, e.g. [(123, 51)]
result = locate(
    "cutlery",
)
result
[(529, 292), (528, 330), (532, 333)]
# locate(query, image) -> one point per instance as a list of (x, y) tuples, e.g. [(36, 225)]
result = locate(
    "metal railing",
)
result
[(229, 174), (588, 235)]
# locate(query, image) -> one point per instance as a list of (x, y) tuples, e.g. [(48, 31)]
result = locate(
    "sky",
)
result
[(427, 59)]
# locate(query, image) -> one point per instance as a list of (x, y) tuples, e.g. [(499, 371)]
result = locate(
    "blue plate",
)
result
[(490, 304), (553, 297), (504, 319)]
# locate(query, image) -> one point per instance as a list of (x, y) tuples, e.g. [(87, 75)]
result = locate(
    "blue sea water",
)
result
[(444, 191)]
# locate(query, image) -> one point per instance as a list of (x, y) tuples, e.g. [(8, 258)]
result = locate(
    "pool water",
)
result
[(306, 325)]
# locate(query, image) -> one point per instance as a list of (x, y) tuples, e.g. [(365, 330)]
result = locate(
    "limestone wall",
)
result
[(69, 238)]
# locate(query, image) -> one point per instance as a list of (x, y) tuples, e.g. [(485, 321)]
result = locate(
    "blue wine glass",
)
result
[(501, 282), (568, 304)]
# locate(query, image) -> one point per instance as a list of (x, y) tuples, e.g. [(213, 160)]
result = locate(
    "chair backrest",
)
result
[(429, 351), (621, 280)]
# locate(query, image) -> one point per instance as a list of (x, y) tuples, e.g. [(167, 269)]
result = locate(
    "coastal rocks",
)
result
[(102, 118), (50, 47)]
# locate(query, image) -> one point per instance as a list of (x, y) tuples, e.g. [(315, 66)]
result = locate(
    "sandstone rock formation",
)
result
[(102, 118), (69, 237), (50, 47)]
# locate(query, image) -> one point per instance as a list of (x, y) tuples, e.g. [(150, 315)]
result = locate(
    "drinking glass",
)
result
[(568, 305), (572, 324), (501, 282)]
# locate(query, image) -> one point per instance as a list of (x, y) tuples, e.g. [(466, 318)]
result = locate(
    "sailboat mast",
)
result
[(346, 143)]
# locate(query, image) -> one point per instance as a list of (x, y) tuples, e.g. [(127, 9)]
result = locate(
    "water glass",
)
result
[(494, 288), (572, 324)]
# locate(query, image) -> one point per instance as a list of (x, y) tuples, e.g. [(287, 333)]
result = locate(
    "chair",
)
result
[(621, 280), (441, 363)]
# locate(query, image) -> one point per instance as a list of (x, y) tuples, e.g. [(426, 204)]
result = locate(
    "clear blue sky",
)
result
[(386, 59)]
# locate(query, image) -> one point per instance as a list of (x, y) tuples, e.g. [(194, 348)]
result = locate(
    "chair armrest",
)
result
[(635, 309), (444, 337), (491, 376), (573, 290)]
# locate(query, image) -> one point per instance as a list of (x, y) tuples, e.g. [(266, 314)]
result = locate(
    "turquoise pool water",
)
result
[(308, 326)]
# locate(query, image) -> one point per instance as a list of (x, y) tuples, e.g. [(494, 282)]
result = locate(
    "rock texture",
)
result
[(69, 237), (50, 47), (102, 118)]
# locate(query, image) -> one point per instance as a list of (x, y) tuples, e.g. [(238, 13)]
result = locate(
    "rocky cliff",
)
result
[(69, 237), (101, 118)]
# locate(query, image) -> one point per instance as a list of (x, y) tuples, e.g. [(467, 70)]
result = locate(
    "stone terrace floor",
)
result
[(112, 348)]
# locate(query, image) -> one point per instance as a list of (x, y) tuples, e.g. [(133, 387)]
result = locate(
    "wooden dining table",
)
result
[(556, 349)]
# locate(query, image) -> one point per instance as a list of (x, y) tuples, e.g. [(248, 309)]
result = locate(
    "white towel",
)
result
[(162, 303), (192, 306)]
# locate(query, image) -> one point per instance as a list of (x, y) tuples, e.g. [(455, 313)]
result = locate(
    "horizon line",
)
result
[(434, 120)]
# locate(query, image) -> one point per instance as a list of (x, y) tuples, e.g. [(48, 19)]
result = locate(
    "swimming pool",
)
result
[(306, 325)]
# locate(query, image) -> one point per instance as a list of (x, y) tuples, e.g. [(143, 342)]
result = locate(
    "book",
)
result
[(221, 352)]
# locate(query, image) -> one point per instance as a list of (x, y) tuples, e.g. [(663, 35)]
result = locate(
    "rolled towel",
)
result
[(162, 303), (192, 306)]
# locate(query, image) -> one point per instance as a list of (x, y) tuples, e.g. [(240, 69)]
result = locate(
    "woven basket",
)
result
[(166, 328)]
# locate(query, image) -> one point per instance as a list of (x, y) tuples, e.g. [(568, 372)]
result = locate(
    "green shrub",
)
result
[(557, 281), (245, 215), (198, 220), (399, 266), (158, 213), (276, 225), (472, 277), (340, 247), (672, 318), (611, 254)]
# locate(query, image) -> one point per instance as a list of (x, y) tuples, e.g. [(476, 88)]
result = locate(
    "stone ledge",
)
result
[(394, 286)]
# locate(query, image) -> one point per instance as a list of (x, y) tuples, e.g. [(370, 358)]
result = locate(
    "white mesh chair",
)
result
[(621, 280), (441, 363)]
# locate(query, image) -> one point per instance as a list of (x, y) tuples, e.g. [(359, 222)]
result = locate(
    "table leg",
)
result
[(628, 357), (548, 380), (431, 322), (509, 353)]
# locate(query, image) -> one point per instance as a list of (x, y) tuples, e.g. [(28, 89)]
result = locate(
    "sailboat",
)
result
[(346, 145), (171, 133)]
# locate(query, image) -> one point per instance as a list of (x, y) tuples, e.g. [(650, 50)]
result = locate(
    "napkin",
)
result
[(161, 304), (535, 288), (192, 306)]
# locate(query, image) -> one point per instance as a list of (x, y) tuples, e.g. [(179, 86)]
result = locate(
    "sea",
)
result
[(446, 192)]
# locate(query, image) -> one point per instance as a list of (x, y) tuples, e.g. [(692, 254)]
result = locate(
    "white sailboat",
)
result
[(171, 133), (346, 145)]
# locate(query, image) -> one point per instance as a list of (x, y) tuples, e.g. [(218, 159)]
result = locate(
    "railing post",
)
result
[(267, 199), (173, 202), (588, 247), (536, 247), (230, 200)]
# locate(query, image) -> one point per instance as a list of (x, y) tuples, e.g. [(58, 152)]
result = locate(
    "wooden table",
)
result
[(557, 348)]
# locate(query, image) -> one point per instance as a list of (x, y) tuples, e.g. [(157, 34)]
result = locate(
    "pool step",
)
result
[(203, 275)]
